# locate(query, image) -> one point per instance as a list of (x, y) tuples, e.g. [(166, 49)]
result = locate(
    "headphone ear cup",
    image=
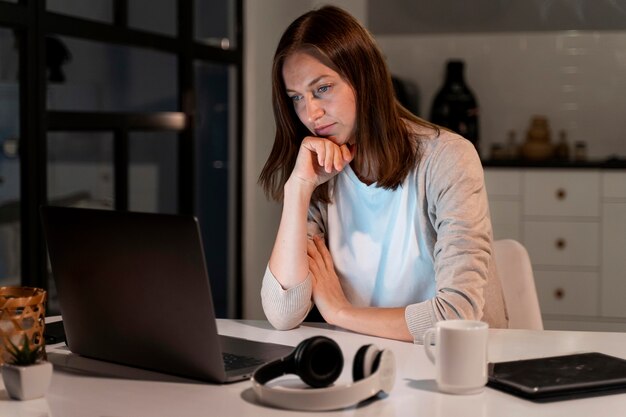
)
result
[(365, 362), (318, 361)]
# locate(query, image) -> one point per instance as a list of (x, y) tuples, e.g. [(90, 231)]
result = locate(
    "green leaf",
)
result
[(23, 356)]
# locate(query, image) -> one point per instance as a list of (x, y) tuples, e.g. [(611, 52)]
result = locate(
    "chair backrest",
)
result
[(518, 284)]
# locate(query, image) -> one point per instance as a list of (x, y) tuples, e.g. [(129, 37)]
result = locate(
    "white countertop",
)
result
[(92, 388)]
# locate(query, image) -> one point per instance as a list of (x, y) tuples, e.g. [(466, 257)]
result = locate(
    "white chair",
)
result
[(518, 284)]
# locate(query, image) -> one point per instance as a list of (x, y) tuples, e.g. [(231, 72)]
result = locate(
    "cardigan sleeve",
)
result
[(458, 211), (285, 309)]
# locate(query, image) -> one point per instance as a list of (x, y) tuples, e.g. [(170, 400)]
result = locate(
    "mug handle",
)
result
[(429, 336)]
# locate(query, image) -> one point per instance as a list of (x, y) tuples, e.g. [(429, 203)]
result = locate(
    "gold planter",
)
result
[(22, 313)]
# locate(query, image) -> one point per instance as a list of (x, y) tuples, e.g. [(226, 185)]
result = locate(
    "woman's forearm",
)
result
[(382, 322), (288, 261)]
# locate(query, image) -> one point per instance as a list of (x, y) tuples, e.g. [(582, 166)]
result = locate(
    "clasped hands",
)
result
[(328, 295)]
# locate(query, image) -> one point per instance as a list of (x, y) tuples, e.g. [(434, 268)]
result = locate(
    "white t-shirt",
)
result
[(373, 236)]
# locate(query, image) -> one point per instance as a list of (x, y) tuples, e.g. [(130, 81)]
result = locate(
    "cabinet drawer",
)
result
[(562, 243), (613, 260), (505, 219), (561, 193), (614, 185), (503, 182), (567, 293)]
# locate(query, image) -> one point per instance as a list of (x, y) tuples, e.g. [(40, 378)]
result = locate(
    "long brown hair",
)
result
[(340, 42)]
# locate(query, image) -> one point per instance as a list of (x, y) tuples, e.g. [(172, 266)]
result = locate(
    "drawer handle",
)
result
[(561, 194), (560, 244), (559, 293)]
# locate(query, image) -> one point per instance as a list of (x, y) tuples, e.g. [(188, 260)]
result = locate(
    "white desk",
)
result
[(86, 394)]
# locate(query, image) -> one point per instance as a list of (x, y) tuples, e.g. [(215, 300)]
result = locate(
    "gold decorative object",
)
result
[(537, 145), (22, 313)]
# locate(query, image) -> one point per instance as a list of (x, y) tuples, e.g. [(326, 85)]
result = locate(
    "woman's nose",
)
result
[(314, 110)]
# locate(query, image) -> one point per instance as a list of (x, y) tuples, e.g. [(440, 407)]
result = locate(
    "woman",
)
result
[(385, 223)]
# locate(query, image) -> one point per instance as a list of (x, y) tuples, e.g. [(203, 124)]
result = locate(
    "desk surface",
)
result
[(88, 392)]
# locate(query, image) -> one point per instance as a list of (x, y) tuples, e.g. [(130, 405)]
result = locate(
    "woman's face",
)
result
[(323, 101)]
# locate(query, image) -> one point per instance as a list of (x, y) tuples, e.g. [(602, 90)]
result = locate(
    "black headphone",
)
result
[(318, 362)]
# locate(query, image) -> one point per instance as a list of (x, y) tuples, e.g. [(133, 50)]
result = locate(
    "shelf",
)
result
[(609, 163)]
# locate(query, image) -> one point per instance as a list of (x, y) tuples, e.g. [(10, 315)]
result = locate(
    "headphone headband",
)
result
[(328, 398)]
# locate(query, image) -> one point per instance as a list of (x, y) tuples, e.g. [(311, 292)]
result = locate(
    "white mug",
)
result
[(459, 355)]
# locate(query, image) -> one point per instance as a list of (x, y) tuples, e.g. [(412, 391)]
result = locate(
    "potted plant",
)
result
[(26, 375)]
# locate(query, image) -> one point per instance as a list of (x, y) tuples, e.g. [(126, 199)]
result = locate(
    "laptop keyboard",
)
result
[(233, 361)]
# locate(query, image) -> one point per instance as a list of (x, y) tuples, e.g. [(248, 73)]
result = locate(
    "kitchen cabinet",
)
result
[(573, 224), (505, 204), (614, 244)]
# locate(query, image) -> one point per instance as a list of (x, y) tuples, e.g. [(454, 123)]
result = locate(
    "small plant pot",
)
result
[(27, 382)]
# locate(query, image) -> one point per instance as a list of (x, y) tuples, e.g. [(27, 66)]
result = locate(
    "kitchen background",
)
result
[(565, 60), (575, 79)]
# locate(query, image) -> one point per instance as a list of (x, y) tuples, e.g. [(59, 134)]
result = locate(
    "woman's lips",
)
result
[(324, 130)]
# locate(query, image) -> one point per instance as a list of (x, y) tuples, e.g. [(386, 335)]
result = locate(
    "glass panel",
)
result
[(215, 136), (153, 179), (80, 174), (101, 10), (153, 16), (103, 77), (10, 242), (215, 23), (80, 169)]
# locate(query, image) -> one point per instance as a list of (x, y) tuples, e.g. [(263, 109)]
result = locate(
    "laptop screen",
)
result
[(133, 289)]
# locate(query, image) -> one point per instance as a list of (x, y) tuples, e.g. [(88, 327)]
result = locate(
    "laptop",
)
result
[(562, 377), (133, 289)]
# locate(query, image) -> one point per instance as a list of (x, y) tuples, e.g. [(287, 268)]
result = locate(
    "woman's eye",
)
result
[(295, 99), (323, 89)]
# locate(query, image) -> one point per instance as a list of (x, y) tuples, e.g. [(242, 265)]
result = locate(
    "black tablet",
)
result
[(560, 377)]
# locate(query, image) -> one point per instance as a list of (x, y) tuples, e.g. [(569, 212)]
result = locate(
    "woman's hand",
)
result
[(337, 310), (320, 159), (327, 292)]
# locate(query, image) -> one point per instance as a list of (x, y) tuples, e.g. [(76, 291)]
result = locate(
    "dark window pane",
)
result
[(80, 174), (157, 16), (9, 56), (103, 77), (10, 241), (215, 23), (153, 179), (101, 10), (80, 169), (215, 136)]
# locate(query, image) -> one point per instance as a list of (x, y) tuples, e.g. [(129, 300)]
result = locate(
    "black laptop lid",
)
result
[(133, 289), (560, 377)]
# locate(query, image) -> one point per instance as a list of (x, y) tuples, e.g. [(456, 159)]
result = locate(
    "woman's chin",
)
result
[(337, 140)]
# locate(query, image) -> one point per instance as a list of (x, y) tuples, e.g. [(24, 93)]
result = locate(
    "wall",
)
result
[(264, 22), (576, 78)]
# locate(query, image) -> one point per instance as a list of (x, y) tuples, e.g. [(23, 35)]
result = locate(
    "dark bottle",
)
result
[(455, 105), (561, 150)]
